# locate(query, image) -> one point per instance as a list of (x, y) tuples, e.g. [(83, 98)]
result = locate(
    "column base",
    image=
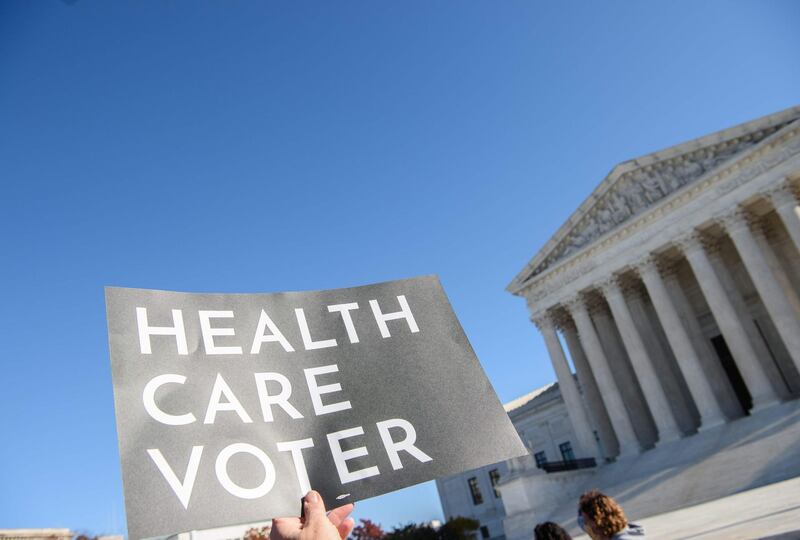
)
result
[(760, 406), (668, 438), (705, 425), (628, 452)]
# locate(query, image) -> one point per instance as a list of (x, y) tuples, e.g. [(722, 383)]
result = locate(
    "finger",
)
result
[(338, 515), (285, 528), (346, 527), (286, 523), (314, 507)]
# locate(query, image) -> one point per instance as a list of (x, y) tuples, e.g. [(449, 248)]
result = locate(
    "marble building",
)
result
[(540, 417), (676, 289), (669, 303)]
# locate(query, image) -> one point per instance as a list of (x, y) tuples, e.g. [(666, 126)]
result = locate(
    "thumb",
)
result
[(313, 507)]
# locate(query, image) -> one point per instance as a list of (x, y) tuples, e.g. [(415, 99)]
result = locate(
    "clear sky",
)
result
[(268, 146)]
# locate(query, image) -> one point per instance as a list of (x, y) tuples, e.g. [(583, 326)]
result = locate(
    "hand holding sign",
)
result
[(317, 525), (230, 406)]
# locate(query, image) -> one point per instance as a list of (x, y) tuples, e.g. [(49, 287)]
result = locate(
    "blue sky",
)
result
[(267, 146)]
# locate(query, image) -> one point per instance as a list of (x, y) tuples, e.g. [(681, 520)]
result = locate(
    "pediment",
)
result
[(634, 186)]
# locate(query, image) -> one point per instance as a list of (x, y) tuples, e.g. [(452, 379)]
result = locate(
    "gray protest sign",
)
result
[(231, 406)]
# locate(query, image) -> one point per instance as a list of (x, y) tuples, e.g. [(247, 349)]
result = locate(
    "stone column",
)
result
[(591, 393), (621, 422), (678, 337), (653, 391), (569, 390), (785, 204), (729, 324), (772, 294)]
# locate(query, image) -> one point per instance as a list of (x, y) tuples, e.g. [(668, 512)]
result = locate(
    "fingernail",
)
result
[(312, 497)]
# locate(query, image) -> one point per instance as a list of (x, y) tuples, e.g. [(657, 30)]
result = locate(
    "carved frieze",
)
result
[(549, 289), (637, 190)]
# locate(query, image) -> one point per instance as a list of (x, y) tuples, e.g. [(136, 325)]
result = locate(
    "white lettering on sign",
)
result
[(281, 398), (222, 397), (218, 333), (305, 333), (404, 313), (149, 400), (340, 457), (209, 333), (296, 448), (145, 331), (182, 488), (316, 391), (265, 322), (221, 468), (215, 404), (407, 444), (344, 310)]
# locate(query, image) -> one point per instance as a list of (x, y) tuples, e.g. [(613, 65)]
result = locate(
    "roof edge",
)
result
[(518, 283)]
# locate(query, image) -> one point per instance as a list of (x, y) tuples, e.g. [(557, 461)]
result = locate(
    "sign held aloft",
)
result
[(230, 407)]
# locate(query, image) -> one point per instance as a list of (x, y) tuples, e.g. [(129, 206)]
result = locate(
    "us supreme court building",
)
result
[(669, 303)]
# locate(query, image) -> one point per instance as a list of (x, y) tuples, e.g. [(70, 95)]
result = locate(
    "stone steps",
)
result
[(741, 455)]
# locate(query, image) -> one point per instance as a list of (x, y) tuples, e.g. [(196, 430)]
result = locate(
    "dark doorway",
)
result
[(734, 376)]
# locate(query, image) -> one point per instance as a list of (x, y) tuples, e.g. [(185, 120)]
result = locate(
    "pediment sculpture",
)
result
[(638, 189)]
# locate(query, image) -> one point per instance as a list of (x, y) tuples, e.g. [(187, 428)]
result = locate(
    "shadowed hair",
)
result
[(606, 515), (550, 531)]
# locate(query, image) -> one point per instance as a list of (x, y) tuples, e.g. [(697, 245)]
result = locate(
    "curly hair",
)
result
[(550, 531), (606, 515)]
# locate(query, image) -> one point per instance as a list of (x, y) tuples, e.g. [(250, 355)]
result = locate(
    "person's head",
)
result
[(602, 516), (550, 531)]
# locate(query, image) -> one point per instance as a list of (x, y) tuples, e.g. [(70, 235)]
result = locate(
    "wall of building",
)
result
[(543, 424)]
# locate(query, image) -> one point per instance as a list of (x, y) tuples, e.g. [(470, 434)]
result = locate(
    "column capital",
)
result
[(567, 324), (543, 321), (781, 195), (668, 268), (653, 265), (610, 286), (596, 304), (633, 289), (735, 221), (690, 242), (696, 242), (647, 265), (576, 305)]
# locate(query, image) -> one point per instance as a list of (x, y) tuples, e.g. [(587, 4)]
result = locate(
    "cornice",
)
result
[(646, 183), (725, 179)]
